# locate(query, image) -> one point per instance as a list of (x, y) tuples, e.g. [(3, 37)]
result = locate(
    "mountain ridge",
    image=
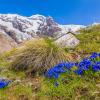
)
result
[(21, 28)]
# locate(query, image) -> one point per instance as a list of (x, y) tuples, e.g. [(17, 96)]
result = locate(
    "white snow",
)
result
[(72, 28)]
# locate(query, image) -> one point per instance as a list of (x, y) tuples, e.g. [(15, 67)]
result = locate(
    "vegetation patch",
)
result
[(89, 40), (62, 83), (38, 56)]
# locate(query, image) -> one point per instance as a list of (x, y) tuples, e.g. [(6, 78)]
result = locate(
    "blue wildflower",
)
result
[(4, 83), (56, 84), (55, 75), (69, 65), (83, 65), (60, 65), (96, 66), (58, 70), (76, 64), (49, 73), (79, 71), (98, 54), (94, 55)]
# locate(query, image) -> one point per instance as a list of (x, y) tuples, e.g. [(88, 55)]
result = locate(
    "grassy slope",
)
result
[(72, 88), (89, 40)]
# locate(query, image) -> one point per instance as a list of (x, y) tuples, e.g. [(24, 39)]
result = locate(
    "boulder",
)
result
[(67, 40)]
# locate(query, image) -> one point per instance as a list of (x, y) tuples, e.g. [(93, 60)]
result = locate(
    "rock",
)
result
[(6, 43), (3, 78), (98, 85), (67, 40), (17, 81)]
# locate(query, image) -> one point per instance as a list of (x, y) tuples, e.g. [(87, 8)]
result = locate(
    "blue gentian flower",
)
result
[(69, 65), (94, 55), (99, 54), (56, 84), (84, 65), (55, 75), (4, 83), (96, 66)]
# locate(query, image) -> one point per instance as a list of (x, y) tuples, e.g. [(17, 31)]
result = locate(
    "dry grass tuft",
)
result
[(38, 56)]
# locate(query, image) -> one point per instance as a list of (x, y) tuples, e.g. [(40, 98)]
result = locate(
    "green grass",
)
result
[(72, 88), (5, 66), (15, 92), (89, 40)]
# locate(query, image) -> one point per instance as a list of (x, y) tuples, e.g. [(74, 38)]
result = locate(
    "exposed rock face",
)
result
[(18, 29), (50, 28), (6, 43), (67, 40)]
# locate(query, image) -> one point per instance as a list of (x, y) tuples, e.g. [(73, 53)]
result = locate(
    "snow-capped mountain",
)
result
[(19, 28), (23, 28)]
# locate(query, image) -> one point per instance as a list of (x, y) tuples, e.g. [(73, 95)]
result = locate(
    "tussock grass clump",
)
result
[(38, 56)]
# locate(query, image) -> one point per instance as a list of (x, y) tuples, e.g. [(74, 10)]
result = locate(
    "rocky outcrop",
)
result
[(6, 43), (67, 40)]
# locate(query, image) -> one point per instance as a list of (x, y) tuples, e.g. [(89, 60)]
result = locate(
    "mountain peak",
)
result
[(37, 16), (21, 28)]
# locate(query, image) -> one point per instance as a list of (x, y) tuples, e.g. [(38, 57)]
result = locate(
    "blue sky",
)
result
[(63, 11)]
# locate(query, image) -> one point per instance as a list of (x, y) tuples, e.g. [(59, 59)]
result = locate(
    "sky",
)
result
[(63, 11)]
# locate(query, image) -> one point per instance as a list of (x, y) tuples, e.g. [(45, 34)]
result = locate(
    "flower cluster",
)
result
[(92, 62), (60, 68), (4, 83)]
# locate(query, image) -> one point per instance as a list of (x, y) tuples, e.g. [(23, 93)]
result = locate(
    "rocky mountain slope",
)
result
[(16, 29), (6, 43)]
